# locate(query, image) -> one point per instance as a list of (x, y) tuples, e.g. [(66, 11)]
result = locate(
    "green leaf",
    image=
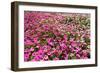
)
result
[(60, 56), (36, 49), (71, 56), (69, 19), (53, 56), (76, 36), (28, 46), (87, 40), (43, 41)]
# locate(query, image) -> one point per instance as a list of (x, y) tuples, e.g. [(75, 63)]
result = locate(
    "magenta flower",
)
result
[(62, 45), (28, 42), (26, 56), (35, 40)]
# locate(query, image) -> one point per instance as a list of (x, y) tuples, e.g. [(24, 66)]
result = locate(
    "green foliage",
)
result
[(71, 56), (69, 19), (84, 21), (68, 35), (43, 41), (28, 46), (87, 40), (53, 56), (36, 49)]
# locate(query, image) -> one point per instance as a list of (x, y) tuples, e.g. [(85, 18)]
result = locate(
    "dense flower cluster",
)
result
[(56, 36)]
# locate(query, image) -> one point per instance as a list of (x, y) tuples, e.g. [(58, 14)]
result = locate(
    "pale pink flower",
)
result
[(31, 49), (74, 44), (65, 37), (55, 58)]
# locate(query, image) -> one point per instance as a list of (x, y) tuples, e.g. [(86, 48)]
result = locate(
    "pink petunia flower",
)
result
[(35, 40), (63, 45), (78, 56), (28, 42), (26, 56), (45, 57), (74, 44), (31, 49)]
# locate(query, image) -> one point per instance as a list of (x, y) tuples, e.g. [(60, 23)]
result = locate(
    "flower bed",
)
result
[(56, 36)]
